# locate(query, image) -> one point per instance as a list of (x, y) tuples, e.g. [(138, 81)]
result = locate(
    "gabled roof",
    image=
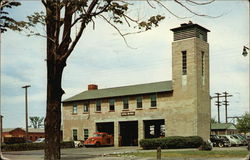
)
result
[(222, 126), (30, 130), (156, 87), (10, 129)]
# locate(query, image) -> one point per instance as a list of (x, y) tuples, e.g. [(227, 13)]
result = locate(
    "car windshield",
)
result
[(225, 138), (40, 139), (236, 137), (97, 135)]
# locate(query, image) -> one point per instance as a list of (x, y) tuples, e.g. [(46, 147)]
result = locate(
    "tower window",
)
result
[(202, 63), (184, 62)]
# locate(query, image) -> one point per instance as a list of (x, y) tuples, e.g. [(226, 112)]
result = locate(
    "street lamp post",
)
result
[(26, 109), (245, 53)]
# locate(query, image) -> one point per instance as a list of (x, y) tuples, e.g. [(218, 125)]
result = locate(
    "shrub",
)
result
[(22, 146), (173, 142), (32, 146), (13, 140)]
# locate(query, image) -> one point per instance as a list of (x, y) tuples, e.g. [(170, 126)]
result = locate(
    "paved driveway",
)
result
[(103, 153)]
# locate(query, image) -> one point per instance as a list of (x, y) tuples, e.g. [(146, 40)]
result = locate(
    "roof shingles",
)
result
[(156, 87)]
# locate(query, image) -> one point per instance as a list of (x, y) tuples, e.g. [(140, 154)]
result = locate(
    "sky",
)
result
[(101, 57)]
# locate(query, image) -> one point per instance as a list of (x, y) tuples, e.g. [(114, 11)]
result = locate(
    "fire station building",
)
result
[(180, 107)]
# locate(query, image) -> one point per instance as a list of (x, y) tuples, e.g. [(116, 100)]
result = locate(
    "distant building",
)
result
[(180, 107), (223, 128), (34, 133)]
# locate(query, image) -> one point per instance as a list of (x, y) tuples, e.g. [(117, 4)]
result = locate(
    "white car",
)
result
[(232, 139), (39, 140)]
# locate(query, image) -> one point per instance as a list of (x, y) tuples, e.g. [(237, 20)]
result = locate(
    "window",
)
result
[(86, 107), (153, 100), (98, 105), (74, 109), (152, 130), (202, 63), (184, 62), (86, 134), (112, 105), (201, 36), (125, 103), (139, 102), (74, 134)]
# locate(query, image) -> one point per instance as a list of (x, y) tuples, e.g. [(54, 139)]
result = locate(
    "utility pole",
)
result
[(218, 104), (226, 104), (26, 109)]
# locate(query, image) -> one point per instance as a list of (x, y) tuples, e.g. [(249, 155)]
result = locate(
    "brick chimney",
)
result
[(92, 87)]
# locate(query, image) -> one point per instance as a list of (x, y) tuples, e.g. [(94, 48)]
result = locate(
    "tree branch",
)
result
[(104, 9), (58, 25), (161, 4), (198, 3), (197, 14), (85, 21), (122, 35), (151, 5)]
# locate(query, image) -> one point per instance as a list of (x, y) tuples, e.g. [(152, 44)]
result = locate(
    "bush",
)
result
[(13, 140), (32, 146), (23, 146), (173, 142)]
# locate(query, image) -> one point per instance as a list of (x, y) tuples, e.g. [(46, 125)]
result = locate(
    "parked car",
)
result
[(242, 139), (100, 139), (219, 142), (232, 139), (40, 140)]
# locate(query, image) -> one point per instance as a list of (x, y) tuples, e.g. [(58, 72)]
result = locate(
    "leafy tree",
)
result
[(7, 22), (213, 120), (60, 17), (243, 123), (36, 122)]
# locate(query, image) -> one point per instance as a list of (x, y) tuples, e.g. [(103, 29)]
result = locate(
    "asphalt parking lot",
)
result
[(104, 153)]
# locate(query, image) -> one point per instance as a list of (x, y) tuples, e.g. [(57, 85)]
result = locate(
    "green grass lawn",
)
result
[(212, 154)]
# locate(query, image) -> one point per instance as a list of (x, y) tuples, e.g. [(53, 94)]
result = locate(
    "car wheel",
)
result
[(220, 144), (97, 144)]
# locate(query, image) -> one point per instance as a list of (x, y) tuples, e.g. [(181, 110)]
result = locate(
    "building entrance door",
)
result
[(128, 133)]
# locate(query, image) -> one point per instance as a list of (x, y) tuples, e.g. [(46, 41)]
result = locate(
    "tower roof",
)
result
[(188, 25)]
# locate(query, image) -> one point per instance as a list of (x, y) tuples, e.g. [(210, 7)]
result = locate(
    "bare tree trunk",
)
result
[(55, 68), (53, 115)]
